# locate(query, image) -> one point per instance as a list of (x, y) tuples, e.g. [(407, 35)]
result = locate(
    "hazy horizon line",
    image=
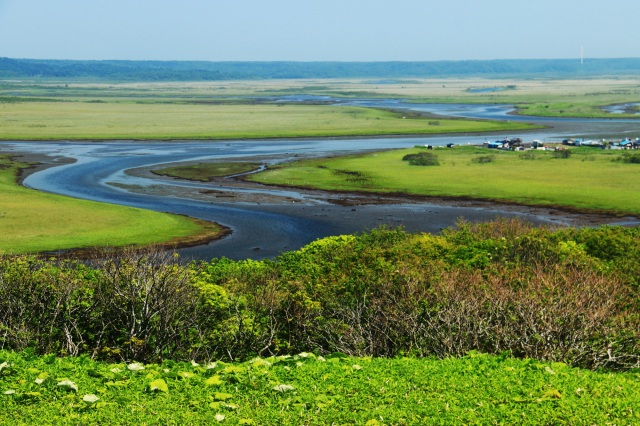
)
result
[(325, 61)]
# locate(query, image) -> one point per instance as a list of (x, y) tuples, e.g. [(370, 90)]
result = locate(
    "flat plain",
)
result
[(104, 121), (54, 110)]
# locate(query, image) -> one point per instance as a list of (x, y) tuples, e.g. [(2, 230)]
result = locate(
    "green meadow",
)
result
[(309, 389), (32, 221), (589, 179)]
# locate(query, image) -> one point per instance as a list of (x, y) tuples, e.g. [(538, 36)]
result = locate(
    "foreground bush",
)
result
[(494, 288), (566, 295), (129, 305)]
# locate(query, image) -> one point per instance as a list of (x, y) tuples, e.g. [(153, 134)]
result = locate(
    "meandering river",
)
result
[(102, 172)]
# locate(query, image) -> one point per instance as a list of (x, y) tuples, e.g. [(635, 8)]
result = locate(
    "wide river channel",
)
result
[(270, 221)]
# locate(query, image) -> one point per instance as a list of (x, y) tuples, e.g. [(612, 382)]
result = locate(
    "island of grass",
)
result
[(33, 221), (589, 180), (204, 172)]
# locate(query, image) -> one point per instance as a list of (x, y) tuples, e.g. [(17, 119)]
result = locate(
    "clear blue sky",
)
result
[(318, 30)]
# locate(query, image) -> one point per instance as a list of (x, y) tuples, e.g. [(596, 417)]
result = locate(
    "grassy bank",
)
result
[(305, 389), (124, 120), (589, 179), (33, 221)]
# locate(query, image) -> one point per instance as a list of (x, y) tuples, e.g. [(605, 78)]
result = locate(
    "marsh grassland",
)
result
[(37, 110), (65, 110), (103, 121), (204, 172)]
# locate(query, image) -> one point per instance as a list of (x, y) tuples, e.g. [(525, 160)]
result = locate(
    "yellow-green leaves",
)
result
[(213, 381), (158, 385)]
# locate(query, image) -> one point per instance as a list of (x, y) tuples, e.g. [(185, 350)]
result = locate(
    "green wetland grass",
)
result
[(314, 390), (174, 120), (32, 221), (589, 180)]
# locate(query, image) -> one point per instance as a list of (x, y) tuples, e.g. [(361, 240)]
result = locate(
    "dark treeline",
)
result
[(201, 70)]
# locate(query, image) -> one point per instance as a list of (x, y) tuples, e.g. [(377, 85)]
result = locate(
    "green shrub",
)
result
[(528, 155), (480, 287), (422, 159), (629, 158), (568, 295), (483, 159), (562, 153)]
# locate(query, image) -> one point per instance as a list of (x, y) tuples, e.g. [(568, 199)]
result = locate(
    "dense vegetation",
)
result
[(308, 389), (567, 295), (193, 71), (421, 159)]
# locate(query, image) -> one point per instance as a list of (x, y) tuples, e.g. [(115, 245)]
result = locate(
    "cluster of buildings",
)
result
[(626, 143), (516, 144)]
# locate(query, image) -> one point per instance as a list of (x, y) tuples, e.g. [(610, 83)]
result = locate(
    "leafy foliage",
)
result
[(567, 296), (562, 153), (312, 389)]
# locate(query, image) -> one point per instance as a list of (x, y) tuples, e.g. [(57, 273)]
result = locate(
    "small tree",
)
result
[(562, 153)]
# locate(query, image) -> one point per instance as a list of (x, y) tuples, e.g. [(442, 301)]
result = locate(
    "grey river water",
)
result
[(102, 172)]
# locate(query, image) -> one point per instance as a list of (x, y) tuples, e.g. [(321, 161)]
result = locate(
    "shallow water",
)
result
[(621, 109)]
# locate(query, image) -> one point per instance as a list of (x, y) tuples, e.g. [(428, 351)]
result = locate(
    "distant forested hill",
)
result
[(192, 70)]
